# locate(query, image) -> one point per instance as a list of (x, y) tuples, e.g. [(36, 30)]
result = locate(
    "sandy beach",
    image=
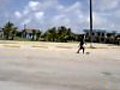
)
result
[(56, 66)]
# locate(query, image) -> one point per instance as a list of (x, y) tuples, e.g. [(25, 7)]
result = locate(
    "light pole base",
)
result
[(91, 46)]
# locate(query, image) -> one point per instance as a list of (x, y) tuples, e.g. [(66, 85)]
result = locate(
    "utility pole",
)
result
[(91, 23), (25, 26)]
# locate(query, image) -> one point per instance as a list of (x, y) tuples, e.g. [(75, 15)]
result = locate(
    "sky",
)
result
[(74, 14)]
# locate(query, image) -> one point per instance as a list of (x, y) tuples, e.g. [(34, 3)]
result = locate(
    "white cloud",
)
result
[(34, 5), (59, 17), (49, 4), (47, 13), (97, 19), (26, 21), (39, 15), (60, 7), (66, 15), (75, 7), (61, 20), (18, 14), (106, 4), (26, 11)]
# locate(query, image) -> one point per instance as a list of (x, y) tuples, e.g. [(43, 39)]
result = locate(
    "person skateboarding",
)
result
[(81, 45)]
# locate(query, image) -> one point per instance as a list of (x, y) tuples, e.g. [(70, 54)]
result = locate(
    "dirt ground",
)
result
[(56, 66)]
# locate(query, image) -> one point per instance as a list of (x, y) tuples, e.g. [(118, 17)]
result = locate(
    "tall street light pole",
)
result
[(24, 26), (91, 23)]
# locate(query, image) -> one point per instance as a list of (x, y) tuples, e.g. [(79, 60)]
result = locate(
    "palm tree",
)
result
[(14, 31), (69, 34), (62, 32), (24, 33), (38, 34), (51, 34), (9, 30), (34, 34)]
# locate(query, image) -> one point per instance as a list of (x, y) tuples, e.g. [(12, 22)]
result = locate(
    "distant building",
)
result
[(101, 36), (97, 35), (29, 33), (117, 39), (1, 33)]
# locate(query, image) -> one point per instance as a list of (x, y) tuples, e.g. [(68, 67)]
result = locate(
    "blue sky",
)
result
[(44, 14)]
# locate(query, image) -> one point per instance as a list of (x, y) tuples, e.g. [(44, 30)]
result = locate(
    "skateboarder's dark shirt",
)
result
[(81, 42)]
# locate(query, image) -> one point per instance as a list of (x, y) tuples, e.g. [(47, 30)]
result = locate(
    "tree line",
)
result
[(54, 34)]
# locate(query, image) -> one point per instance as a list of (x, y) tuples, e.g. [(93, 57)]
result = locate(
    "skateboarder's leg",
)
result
[(83, 50), (78, 50)]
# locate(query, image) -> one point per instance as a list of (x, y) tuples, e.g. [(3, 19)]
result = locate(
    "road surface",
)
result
[(40, 68)]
